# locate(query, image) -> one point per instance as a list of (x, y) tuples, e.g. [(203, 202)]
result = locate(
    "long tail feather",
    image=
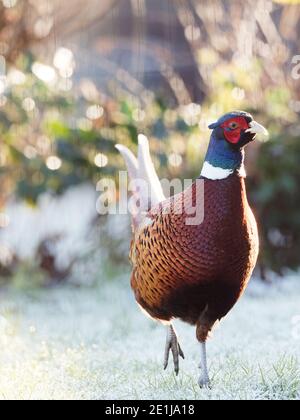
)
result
[(130, 160), (142, 169), (147, 172)]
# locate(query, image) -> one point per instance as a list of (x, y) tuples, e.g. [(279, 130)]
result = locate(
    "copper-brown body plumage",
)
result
[(196, 273)]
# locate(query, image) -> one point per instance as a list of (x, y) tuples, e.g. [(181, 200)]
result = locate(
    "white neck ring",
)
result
[(214, 173)]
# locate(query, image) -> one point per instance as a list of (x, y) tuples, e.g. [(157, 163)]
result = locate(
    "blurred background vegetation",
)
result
[(76, 80)]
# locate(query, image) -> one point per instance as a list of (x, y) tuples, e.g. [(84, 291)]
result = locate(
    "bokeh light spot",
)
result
[(53, 163), (101, 160)]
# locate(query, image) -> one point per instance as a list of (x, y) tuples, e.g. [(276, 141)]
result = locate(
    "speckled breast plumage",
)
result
[(180, 270)]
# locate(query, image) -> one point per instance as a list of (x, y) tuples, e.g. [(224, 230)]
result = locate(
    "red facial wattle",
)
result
[(233, 135)]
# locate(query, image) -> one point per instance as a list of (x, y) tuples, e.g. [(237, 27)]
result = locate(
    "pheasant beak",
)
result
[(256, 128)]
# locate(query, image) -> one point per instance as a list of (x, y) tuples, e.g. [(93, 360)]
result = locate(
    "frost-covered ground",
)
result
[(95, 344)]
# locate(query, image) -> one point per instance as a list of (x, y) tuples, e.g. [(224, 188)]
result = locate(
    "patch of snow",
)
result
[(68, 217)]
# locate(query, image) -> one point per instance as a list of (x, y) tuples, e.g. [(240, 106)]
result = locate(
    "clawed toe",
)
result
[(204, 383)]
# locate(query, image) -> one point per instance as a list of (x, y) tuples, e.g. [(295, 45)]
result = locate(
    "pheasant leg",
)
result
[(204, 381), (173, 345)]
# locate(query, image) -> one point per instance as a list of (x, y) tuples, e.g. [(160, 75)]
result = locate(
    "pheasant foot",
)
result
[(173, 345)]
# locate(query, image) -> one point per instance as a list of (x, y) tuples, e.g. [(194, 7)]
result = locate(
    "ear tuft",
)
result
[(213, 126)]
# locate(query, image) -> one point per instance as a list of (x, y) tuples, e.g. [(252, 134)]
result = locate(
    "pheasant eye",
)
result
[(233, 125)]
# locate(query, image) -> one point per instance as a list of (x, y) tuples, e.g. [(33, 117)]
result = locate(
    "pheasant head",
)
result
[(231, 133)]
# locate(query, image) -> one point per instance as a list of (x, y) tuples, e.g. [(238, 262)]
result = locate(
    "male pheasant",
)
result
[(187, 266)]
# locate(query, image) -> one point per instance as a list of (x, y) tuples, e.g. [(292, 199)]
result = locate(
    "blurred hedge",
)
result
[(59, 117), (233, 57), (274, 191)]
